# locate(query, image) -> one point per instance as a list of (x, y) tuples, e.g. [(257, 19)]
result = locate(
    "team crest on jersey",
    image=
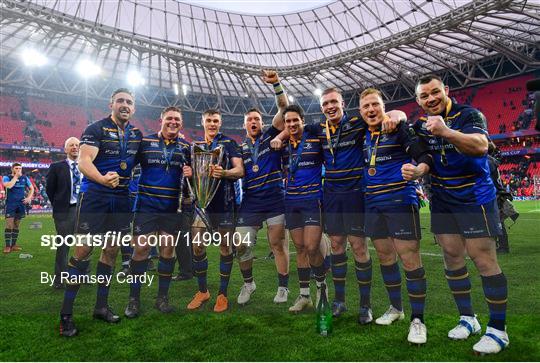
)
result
[(137, 229), (84, 226), (432, 141), (132, 134), (114, 135), (423, 126), (307, 146), (347, 126), (240, 220), (154, 144), (384, 138)]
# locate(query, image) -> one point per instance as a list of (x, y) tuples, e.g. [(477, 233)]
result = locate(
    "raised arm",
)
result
[(271, 76)]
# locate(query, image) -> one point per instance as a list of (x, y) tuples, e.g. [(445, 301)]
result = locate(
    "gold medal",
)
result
[(123, 165), (255, 168), (372, 171)]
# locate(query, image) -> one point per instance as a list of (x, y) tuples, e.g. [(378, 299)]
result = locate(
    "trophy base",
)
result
[(198, 223)]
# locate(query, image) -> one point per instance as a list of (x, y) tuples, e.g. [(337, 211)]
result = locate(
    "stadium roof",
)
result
[(348, 44)]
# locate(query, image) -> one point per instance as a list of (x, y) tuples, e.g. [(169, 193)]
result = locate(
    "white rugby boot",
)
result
[(492, 342), (245, 292), (467, 325), (391, 315)]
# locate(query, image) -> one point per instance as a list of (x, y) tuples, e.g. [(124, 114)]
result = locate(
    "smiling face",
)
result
[(294, 124), (122, 107), (372, 110), (253, 124), (71, 148), (171, 124), (332, 106), (432, 97), (211, 124)]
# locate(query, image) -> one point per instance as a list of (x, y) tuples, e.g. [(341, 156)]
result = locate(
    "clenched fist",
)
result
[(270, 76), (437, 126)]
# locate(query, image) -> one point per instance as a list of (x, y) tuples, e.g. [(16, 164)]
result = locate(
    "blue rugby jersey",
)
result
[(344, 169), (104, 135), (159, 185), (225, 191), (17, 192), (267, 182), (306, 183), (387, 186), (458, 178)]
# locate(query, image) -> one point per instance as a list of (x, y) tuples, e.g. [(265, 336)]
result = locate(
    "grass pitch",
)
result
[(260, 331)]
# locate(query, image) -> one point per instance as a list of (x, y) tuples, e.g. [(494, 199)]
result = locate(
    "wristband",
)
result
[(278, 89)]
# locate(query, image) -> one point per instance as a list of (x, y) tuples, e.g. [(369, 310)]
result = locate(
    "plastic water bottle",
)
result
[(324, 314), (25, 255)]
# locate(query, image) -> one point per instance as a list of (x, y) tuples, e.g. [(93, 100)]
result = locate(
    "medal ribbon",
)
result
[(444, 161), (123, 140), (254, 149), (167, 155), (294, 158), (372, 149), (329, 138)]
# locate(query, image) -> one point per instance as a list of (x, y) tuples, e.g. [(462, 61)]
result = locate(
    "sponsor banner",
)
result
[(509, 135), (520, 152), (30, 148), (7, 164)]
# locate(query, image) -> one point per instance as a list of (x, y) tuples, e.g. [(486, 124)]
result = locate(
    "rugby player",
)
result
[(106, 159), (391, 210), (303, 204), (343, 199), (15, 209), (163, 157), (263, 194), (221, 213), (464, 213)]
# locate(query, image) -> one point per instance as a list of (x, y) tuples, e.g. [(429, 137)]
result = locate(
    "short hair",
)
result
[(293, 108), (371, 91), (121, 90), (15, 164), (170, 108), (211, 111), (428, 78), (331, 90), (253, 109)]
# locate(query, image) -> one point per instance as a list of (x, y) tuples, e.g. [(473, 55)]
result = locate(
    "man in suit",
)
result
[(63, 182)]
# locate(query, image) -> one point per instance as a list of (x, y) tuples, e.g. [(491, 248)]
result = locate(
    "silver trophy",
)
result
[(203, 186)]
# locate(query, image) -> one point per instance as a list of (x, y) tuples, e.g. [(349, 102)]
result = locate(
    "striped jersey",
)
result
[(343, 161), (458, 178), (161, 172), (225, 191), (304, 160), (385, 185), (117, 152), (265, 180)]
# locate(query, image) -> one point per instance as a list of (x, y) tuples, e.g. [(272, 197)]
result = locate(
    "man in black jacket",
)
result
[(63, 182)]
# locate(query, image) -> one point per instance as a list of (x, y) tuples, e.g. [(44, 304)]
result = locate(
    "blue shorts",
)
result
[(254, 213), (222, 214), (470, 221), (98, 213), (302, 212), (401, 221), (15, 210), (145, 223), (344, 213)]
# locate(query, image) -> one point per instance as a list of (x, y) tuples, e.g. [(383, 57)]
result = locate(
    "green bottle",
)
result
[(324, 314)]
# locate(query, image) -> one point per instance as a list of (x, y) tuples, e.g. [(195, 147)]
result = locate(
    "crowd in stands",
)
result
[(518, 176), (32, 121)]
